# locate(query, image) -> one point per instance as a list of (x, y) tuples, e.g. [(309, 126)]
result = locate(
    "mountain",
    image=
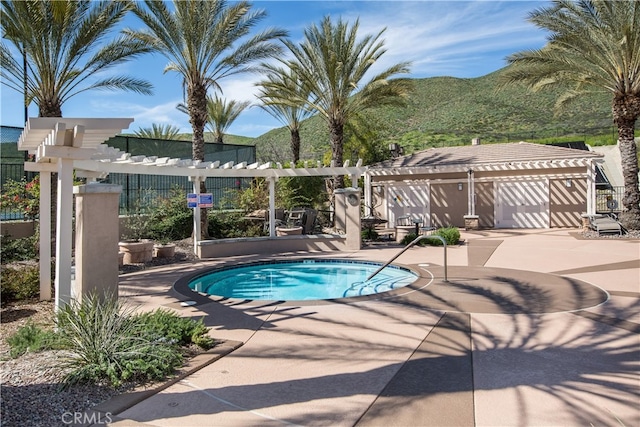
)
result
[(452, 111)]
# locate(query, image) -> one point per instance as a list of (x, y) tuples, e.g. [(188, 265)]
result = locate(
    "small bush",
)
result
[(369, 234), (31, 338), (170, 219), (19, 282), (226, 224), (410, 238), (164, 324), (450, 234), (104, 338), (24, 249)]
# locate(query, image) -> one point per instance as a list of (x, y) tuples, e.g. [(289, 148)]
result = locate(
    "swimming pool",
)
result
[(296, 280)]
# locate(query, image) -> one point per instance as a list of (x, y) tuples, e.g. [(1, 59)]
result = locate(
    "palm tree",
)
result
[(159, 131), (331, 63), (63, 43), (204, 42), (279, 83), (220, 114), (592, 45)]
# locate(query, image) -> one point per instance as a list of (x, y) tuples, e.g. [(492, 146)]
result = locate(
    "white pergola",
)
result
[(63, 145)]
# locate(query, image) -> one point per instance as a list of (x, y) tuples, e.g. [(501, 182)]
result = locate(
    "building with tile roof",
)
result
[(514, 185)]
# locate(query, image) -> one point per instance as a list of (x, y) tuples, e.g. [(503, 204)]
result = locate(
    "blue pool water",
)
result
[(302, 280)]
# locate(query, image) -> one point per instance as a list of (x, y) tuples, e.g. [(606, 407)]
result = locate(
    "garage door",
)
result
[(522, 204)]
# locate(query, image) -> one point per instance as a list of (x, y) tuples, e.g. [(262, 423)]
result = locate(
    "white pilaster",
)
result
[(64, 232), (45, 236)]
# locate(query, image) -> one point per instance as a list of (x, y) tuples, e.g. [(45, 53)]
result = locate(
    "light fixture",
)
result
[(396, 150), (459, 186), (567, 182)]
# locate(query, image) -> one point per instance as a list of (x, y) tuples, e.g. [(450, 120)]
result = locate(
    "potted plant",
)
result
[(135, 245), (164, 248)]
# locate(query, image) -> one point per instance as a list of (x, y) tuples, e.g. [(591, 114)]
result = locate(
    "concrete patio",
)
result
[(534, 327)]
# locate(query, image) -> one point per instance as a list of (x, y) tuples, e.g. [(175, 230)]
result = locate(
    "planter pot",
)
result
[(136, 252), (164, 251), (282, 231)]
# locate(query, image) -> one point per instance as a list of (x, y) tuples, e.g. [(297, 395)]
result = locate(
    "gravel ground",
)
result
[(31, 393)]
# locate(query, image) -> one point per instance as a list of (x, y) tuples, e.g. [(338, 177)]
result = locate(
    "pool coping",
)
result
[(195, 298)]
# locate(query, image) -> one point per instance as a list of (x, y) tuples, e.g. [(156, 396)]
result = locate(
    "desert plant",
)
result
[(32, 338), (450, 234), (166, 325), (105, 344)]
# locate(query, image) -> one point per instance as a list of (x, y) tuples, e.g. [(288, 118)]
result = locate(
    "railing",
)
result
[(416, 240), (609, 200)]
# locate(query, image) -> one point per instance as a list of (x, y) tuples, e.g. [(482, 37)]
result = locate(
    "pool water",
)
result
[(302, 280)]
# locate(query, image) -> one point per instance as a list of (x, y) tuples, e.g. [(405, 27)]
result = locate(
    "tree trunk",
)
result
[(197, 106), (336, 132), (295, 144), (625, 113)]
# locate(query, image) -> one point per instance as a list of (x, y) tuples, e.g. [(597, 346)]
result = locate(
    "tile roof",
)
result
[(485, 154)]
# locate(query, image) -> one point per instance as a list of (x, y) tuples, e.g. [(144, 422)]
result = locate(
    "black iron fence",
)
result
[(138, 190), (609, 200)]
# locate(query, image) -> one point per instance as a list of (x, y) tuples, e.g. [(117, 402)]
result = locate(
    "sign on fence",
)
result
[(204, 200), (192, 200)]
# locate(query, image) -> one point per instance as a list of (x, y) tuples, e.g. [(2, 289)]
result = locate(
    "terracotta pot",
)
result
[(164, 251), (136, 252), (282, 231)]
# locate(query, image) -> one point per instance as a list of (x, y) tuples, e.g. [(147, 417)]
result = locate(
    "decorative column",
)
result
[(57, 143), (97, 232), (471, 220), (347, 216)]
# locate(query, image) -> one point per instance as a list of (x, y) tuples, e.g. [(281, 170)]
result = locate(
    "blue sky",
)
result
[(441, 38)]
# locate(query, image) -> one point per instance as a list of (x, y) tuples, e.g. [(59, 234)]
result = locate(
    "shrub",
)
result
[(170, 219), (410, 238), (32, 338), (19, 282), (226, 224), (450, 234), (22, 196), (18, 249), (164, 324), (103, 337)]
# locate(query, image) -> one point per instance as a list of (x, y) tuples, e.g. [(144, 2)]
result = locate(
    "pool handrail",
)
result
[(416, 240)]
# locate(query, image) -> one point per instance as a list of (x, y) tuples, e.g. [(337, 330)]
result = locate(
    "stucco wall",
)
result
[(567, 203)]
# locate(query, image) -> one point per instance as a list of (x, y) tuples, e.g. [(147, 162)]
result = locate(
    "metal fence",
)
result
[(609, 200), (137, 190)]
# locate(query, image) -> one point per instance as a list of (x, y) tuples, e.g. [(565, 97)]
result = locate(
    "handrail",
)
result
[(416, 240)]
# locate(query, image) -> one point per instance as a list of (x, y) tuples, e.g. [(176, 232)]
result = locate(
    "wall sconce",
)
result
[(567, 182), (460, 186), (395, 150)]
